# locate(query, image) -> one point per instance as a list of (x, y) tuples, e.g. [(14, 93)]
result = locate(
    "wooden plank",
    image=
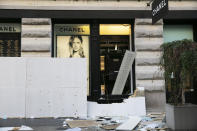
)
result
[(81, 123)]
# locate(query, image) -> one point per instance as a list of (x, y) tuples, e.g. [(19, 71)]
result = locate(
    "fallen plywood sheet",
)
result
[(130, 124), (123, 73), (81, 123)]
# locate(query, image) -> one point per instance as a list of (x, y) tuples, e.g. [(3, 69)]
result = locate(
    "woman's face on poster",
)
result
[(76, 44)]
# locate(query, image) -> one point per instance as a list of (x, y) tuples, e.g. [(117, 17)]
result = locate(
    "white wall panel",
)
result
[(43, 87), (12, 102), (38, 102), (12, 87), (60, 83), (74, 105), (12, 72), (134, 106)]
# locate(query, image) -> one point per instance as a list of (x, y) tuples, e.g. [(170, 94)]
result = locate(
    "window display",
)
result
[(10, 40), (72, 41)]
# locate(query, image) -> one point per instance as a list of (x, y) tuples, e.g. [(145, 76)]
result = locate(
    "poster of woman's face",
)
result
[(75, 46)]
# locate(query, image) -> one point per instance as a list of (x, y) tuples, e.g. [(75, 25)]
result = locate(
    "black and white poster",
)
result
[(73, 46)]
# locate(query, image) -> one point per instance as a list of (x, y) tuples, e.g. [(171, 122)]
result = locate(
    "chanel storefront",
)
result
[(103, 45), (100, 32)]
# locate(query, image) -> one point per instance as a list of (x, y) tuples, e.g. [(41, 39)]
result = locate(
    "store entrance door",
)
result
[(112, 50)]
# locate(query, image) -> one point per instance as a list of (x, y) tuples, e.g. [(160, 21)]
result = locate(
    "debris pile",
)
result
[(150, 122), (22, 128)]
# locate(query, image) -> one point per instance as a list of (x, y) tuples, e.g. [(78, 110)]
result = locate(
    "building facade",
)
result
[(107, 28)]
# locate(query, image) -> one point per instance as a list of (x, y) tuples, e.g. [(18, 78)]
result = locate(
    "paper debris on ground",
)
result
[(23, 127), (74, 129), (6, 128), (129, 124), (110, 127), (81, 123), (153, 121), (26, 128)]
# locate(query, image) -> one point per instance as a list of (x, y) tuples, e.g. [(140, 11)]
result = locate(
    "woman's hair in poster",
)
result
[(80, 51)]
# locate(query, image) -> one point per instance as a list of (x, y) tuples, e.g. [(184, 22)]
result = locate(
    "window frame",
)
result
[(191, 97), (12, 34)]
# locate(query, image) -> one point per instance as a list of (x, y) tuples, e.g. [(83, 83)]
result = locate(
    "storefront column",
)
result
[(148, 39), (36, 37)]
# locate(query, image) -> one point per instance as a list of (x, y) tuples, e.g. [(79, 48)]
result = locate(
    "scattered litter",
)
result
[(74, 129), (152, 122), (145, 118), (107, 118), (81, 123), (26, 128), (69, 119), (129, 124), (62, 128), (119, 119), (100, 120), (153, 126), (64, 124), (110, 127), (23, 127)]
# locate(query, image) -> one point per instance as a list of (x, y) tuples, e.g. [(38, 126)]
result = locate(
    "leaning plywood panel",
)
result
[(123, 73), (12, 87), (56, 87)]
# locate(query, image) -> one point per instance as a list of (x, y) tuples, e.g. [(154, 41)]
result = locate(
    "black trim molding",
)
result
[(93, 14)]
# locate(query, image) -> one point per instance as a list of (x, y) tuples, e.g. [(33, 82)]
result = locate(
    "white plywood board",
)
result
[(60, 83), (43, 87), (56, 73), (12, 102), (38, 102), (123, 73), (130, 107), (13, 72), (12, 87), (69, 102)]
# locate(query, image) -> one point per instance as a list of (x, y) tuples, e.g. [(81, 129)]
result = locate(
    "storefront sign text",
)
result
[(159, 9), (72, 29), (9, 27)]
